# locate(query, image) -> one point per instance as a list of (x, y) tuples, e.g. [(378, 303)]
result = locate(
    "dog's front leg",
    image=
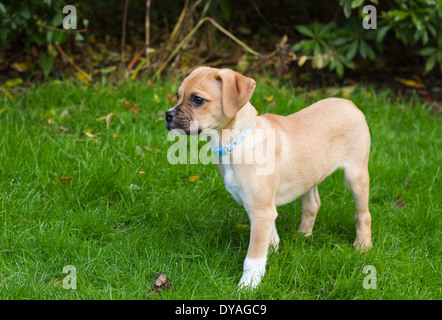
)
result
[(262, 224)]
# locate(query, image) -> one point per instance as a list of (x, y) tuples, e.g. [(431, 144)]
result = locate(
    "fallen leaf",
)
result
[(399, 202), (161, 282), (302, 60), (171, 99), (22, 66), (348, 90), (346, 95), (108, 119), (193, 178), (63, 129), (241, 225), (90, 134), (65, 113), (64, 180), (132, 107), (55, 283), (269, 98), (34, 51), (330, 285), (410, 83), (21, 220), (13, 82), (82, 78)]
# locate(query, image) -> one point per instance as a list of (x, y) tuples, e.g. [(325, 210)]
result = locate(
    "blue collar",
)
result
[(228, 148)]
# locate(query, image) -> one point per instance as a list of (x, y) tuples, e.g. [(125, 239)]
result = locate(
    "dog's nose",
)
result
[(170, 115)]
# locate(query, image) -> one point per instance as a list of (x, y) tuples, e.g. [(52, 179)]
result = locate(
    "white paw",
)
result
[(254, 270), (250, 280)]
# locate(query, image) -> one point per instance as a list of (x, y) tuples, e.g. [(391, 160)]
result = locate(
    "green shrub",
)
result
[(336, 44), (36, 23), (335, 41)]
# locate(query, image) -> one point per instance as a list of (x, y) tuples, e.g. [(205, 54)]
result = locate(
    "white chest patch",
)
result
[(231, 183)]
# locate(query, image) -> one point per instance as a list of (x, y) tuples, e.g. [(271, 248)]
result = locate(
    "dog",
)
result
[(307, 146)]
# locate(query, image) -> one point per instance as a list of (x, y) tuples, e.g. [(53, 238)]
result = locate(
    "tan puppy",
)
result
[(294, 153)]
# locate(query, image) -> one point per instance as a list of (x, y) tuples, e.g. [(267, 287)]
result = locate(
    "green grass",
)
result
[(117, 236)]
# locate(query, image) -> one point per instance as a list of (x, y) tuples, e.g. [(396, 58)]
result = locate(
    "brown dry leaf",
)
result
[(399, 202), (161, 282), (193, 178), (132, 107), (64, 180), (171, 99), (330, 285), (21, 220), (63, 129)]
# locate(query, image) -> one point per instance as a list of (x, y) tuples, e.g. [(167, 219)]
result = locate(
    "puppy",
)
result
[(301, 150)]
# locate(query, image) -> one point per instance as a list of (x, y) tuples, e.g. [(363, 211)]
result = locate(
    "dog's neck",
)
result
[(243, 119)]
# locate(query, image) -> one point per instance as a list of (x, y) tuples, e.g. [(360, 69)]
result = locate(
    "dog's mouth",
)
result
[(183, 128)]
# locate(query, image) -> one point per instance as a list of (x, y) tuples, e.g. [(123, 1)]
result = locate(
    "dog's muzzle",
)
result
[(179, 125), (169, 118)]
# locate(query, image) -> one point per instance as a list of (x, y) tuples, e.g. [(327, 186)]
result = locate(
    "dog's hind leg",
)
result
[(310, 206), (357, 180)]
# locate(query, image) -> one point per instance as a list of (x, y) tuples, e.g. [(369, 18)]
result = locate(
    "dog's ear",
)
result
[(236, 90)]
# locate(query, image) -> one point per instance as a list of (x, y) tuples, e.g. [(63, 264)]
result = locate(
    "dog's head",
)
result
[(208, 98)]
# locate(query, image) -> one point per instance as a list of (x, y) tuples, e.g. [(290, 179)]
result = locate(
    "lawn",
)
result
[(81, 187)]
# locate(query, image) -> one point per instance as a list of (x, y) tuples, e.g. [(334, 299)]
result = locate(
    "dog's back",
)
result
[(317, 140)]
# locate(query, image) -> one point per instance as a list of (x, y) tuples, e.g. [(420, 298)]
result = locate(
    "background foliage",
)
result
[(286, 36)]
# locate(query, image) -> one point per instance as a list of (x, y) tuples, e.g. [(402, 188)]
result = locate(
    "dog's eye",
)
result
[(198, 101)]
